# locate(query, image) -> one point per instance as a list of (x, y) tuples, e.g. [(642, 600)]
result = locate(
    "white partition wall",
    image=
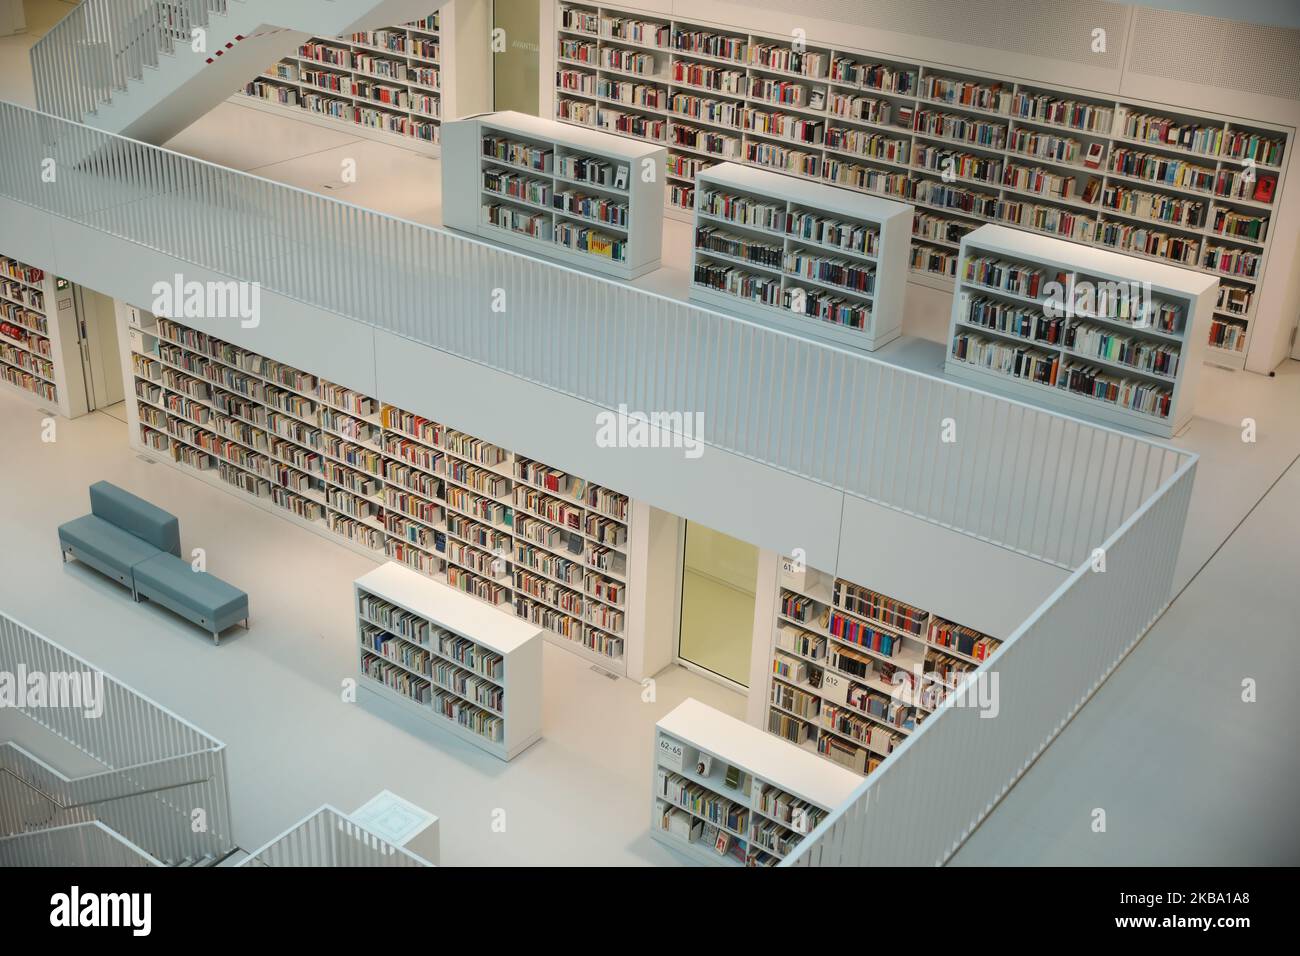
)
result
[(466, 668), (1094, 333), (931, 793), (801, 256), (589, 200)]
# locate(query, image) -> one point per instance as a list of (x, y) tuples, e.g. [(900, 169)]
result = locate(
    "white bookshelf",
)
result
[(854, 672), (1134, 365), (776, 797), (561, 552), (716, 92), (467, 669), (589, 200), (394, 84), (805, 257), (38, 339)]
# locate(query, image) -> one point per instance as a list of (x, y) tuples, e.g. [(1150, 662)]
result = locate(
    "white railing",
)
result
[(329, 837), (921, 804), (162, 774), (1033, 481), (101, 44), (78, 844)]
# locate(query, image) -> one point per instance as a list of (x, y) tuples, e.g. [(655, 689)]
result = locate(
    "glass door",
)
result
[(719, 577), (516, 55)]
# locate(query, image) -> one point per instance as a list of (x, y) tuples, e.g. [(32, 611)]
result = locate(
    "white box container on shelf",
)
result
[(780, 791), (517, 722), (855, 245), (401, 823), (624, 180), (1074, 323)]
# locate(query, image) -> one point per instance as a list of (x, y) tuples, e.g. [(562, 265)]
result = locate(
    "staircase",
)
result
[(40, 828), (146, 69)]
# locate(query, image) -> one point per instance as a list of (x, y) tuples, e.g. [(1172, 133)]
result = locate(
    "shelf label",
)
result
[(671, 752), (835, 688)]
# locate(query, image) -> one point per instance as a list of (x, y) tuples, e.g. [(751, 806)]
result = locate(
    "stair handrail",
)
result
[(329, 837), (161, 774), (97, 801), (76, 844), (102, 44)]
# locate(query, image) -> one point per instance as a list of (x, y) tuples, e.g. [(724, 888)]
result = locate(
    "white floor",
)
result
[(273, 694), (1186, 772)]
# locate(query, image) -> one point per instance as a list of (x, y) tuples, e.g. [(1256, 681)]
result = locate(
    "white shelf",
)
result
[(371, 535), (693, 730), (443, 608), (640, 170), (827, 685), (1111, 134), (890, 222), (1192, 293), (463, 79), (50, 382)]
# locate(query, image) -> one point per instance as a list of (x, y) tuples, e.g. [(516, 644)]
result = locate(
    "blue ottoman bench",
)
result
[(195, 595), (138, 545), (120, 532)]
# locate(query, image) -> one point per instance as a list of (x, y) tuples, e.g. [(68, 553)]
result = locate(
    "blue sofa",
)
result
[(138, 545)]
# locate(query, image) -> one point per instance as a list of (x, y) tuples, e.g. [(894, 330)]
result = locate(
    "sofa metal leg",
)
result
[(64, 555), (216, 639)]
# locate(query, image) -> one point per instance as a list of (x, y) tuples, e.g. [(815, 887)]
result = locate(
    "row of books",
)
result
[(1045, 368), (940, 159), (418, 124), (1202, 138)]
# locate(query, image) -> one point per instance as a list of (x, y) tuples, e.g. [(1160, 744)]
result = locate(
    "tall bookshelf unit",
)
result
[(393, 84), (521, 536), (589, 200), (1130, 363), (465, 668), (1124, 175), (854, 672), (38, 339), (805, 257), (725, 793)]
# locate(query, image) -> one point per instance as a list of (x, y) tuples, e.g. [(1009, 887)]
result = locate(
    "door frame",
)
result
[(679, 579)]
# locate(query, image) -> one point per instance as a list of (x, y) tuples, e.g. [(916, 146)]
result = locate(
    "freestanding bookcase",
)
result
[(1088, 332), (590, 200), (726, 793), (466, 668), (802, 256), (39, 358)]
